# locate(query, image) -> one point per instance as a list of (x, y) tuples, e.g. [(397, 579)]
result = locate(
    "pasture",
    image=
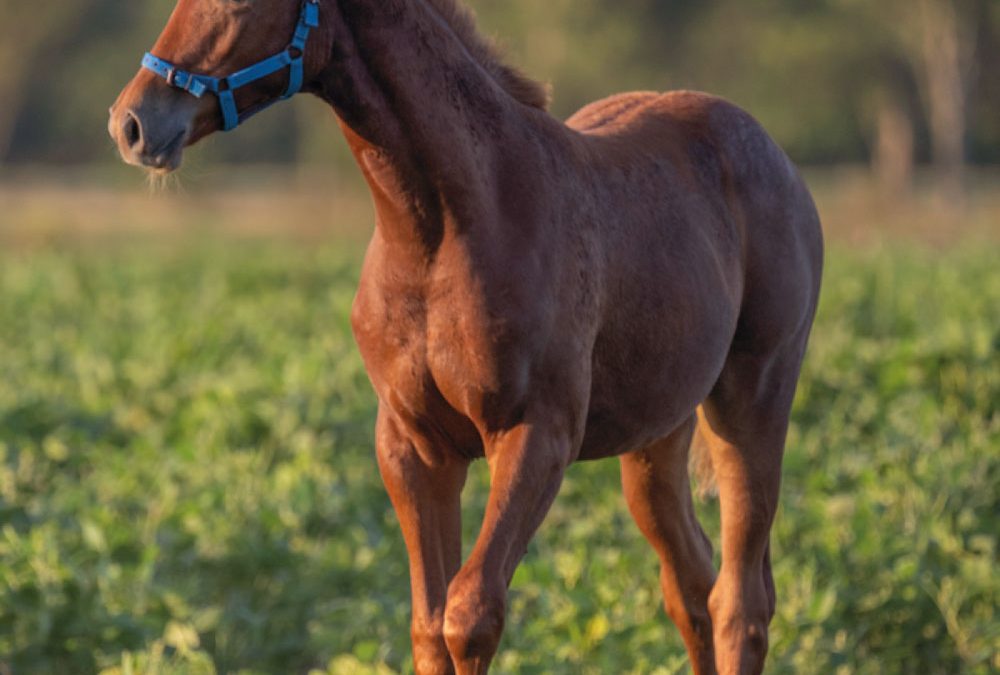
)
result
[(187, 480)]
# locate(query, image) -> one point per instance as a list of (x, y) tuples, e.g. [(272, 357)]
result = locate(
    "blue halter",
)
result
[(225, 87)]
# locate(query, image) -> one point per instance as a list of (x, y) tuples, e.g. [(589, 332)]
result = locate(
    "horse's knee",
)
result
[(430, 653), (741, 645), (744, 649), (474, 621), (740, 615)]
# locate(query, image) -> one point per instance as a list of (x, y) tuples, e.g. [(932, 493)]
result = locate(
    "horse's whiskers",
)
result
[(159, 181)]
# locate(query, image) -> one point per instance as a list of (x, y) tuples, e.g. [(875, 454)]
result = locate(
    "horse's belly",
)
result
[(646, 386), (613, 431)]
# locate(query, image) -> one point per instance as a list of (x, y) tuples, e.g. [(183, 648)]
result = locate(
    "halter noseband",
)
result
[(225, 87)]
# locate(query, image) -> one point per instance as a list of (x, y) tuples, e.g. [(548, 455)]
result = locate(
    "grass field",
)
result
[(187, 481)]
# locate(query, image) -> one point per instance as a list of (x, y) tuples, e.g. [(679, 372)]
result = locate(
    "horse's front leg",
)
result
[(425, 486), (527, 464)]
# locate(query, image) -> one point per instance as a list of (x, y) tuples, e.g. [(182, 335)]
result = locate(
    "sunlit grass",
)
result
[(187, 482)]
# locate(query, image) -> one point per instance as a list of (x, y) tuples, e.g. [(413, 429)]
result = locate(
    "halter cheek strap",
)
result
[(225, 87)]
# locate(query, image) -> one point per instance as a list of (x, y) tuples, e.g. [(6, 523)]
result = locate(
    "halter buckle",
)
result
[(172, 76)]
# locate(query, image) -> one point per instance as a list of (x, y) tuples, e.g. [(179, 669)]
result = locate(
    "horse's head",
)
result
[(195, 81)]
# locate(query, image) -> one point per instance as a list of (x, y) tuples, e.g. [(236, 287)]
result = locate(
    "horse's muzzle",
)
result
[(142, 140)]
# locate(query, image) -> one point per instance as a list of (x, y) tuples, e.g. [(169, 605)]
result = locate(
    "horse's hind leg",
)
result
[(658, 493), (745, 422)]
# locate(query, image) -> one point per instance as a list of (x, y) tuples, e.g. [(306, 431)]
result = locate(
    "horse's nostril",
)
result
[(133, 133)]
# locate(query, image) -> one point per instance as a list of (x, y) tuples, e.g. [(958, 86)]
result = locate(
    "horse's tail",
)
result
[(700, 465)]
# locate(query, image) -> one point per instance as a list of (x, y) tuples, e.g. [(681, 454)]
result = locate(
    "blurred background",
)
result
[(187, 483), (896, 101)]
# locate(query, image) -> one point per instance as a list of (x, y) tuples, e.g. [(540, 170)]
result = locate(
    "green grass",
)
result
[(187, 483)]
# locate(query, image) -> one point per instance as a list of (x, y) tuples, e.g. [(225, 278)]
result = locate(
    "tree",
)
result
[(937, 39), (942, 52), (25, 29)]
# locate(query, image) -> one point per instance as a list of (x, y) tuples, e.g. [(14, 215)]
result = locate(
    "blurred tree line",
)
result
[(890, 82)]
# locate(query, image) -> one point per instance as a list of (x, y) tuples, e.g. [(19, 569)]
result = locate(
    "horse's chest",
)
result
[(391, 332), (438, 361)]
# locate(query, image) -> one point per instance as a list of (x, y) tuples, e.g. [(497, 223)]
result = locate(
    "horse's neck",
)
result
[(422, 117)]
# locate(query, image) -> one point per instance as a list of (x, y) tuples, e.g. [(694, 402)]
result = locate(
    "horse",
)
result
[(535, 293)]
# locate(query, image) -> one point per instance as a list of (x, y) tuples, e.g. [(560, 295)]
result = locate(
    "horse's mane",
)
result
[(463, 22)]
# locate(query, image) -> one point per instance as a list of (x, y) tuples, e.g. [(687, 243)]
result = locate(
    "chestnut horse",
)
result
[(535, 293)]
